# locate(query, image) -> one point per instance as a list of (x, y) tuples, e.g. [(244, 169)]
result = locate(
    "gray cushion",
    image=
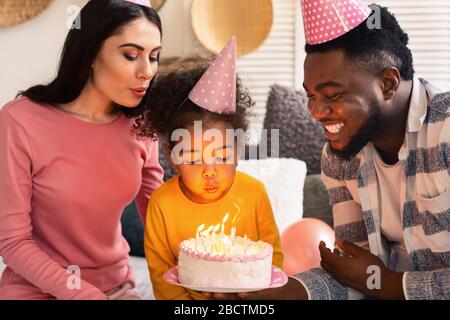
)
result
[(133, 230), (301, 137), (316, 202)]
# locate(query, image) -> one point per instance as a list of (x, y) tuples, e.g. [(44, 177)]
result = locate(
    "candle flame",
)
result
[(211, 230), (207, 231), (225, 219)]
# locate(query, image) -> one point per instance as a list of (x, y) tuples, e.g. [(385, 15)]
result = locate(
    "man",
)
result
[(386, 163)]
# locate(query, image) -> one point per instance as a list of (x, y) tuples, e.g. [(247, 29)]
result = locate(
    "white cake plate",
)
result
[(279, 279)]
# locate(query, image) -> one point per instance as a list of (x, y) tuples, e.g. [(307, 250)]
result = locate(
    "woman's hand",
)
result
[(354, 269), (293, 290)]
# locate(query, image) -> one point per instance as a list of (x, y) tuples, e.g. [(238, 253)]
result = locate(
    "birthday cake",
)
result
[(221, 261)]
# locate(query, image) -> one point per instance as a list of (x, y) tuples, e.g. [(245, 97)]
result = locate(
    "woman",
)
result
[(70, 161)]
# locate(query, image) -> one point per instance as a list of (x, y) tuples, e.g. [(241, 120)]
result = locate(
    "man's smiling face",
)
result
[(343, 98)]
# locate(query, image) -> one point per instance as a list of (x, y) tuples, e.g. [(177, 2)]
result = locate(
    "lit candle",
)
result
[(202, 240), (214, 236), (233, 228), (247, 243), (215, 229), (225, 219), (197, 235), (206, 233), (209, 230), (233, 222), (233, 232)]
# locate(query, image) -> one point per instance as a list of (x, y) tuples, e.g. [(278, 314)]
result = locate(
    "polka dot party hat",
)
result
[(325, 20), (145, 3), (216, 89)]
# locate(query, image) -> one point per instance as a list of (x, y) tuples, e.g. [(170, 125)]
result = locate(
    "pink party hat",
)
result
[(216, 89), (325, 20), (145, 3)]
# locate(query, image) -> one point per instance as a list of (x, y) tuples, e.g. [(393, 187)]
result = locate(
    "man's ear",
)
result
[(391, 79)]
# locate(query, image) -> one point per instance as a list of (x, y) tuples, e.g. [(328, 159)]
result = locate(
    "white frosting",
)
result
[(222, 263)]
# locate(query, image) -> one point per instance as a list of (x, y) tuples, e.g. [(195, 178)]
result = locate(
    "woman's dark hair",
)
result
[(99, 20), (169, 109), (375, 49)]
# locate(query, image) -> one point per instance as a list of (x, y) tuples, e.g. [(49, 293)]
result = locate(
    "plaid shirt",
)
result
[(425, 197)]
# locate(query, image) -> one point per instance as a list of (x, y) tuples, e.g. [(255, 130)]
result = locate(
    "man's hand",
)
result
[(293, 290), (352, 270)]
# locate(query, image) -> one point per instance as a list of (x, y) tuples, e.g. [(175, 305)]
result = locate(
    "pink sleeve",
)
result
[(17, 247), (152, 178)]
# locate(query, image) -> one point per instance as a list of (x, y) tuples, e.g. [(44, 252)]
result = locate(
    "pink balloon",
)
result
[(300, 243)]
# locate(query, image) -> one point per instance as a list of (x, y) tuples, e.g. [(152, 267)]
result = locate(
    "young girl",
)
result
[(207, 185)]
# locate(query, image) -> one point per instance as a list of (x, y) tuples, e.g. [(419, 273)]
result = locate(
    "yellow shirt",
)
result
[(172, 218)]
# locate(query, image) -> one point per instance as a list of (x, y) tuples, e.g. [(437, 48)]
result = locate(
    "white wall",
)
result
[(428, 26), (30, 51)]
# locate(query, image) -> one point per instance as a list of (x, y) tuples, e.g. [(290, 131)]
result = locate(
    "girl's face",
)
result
[(127, 62), (206, 165)]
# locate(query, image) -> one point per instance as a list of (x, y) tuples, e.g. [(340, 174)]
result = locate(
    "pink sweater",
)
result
[(64, 184)]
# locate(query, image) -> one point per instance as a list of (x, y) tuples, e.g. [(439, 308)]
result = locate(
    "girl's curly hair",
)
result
[(165, 114)]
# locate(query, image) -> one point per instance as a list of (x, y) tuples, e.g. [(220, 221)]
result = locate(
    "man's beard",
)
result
[(368, 131)]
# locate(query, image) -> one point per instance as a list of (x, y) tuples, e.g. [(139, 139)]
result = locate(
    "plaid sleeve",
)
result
[(427, 285), (320, 285), (349, 225), (340, 178)]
